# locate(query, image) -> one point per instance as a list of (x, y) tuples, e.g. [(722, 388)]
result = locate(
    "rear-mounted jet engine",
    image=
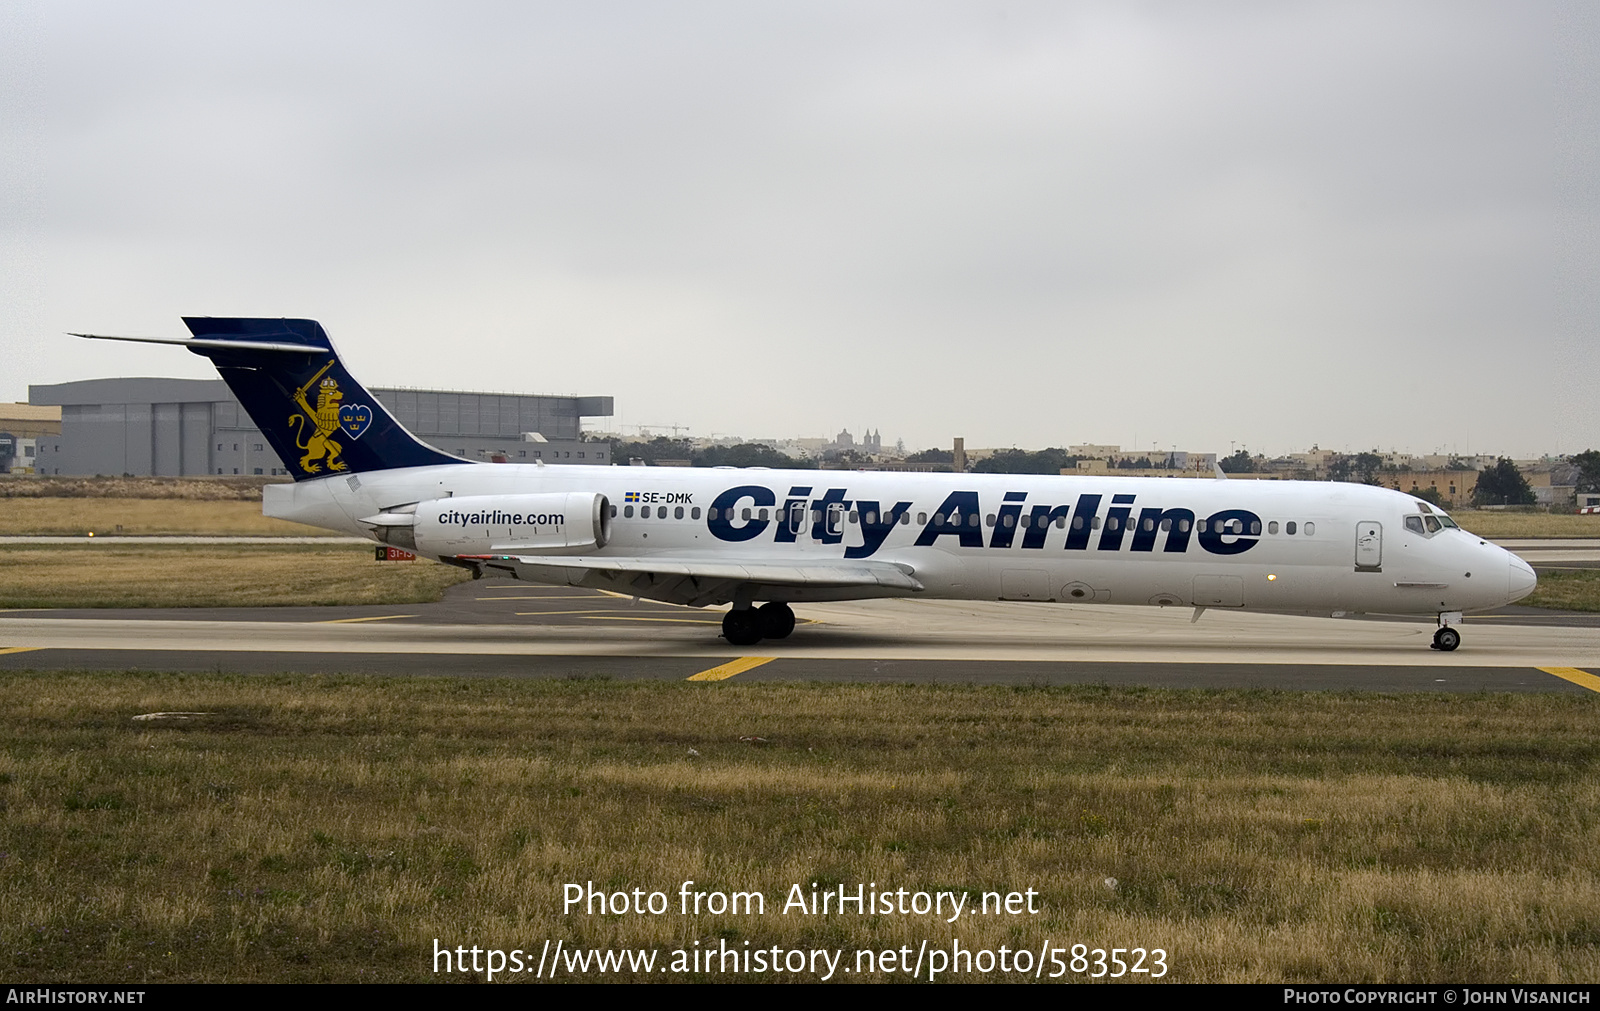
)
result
[(552, 524)]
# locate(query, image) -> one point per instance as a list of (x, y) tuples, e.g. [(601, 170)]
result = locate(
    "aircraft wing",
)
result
[(701, 581)]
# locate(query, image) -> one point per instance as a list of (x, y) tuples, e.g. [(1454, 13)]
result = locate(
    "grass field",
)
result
[(207, 489), (179, 575), (1492, 523), (326, 828), (1568, 590), (145, 516)]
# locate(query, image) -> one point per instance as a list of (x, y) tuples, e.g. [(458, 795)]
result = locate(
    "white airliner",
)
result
[(764, 539)]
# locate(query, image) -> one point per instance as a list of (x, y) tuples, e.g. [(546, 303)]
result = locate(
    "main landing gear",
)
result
[(746, 626), (1447, 638)]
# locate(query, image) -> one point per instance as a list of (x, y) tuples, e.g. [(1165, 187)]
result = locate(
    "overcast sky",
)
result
[(1169, 224)]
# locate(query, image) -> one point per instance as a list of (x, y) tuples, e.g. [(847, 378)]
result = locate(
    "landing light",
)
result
[(1271, 576)]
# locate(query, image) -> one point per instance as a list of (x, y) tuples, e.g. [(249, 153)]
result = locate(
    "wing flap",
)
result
[(703, 580)]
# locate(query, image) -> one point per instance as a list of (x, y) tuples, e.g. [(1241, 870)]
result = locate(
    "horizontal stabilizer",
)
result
[(201, 345)]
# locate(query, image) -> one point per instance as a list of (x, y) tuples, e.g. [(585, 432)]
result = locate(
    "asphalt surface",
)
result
[(501, 628)]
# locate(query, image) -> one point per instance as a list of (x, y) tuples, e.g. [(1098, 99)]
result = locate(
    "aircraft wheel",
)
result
[(777, 620), (1446, 639), (742, 627)]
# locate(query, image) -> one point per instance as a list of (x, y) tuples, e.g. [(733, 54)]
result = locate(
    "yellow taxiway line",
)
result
[(19, 649), (351, 621), (545, 596), (724, 671), (535, 614), (629, 617), (1582, 679)]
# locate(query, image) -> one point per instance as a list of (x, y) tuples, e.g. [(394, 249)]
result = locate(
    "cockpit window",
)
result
[(1414, 524), (1423, 506), (1447, 521), (1432, 523)]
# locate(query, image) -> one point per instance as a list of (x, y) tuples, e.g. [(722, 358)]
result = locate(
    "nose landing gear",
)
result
[(1447, 638)]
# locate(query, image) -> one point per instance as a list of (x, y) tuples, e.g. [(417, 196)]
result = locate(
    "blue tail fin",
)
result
[(316, 416)]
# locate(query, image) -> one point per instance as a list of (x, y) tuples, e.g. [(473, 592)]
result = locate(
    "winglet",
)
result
[(1222, 475)]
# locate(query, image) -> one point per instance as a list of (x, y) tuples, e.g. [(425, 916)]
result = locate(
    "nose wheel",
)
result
[(1446, 639)]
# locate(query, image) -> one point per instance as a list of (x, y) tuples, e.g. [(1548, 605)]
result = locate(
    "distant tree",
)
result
[(748, 454), (659, 448), (1238, 463), (932, 456), (1588, 464), (1428, 495), (1366, 467), (1022, 461), (1503, 484), (1361, 468)]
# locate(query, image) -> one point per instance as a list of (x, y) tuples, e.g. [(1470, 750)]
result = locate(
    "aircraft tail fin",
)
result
[(288, 377)]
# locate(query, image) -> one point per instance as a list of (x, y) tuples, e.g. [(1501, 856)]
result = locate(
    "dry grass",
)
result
[(1567, 590), (145, 516), (108, 575), (331, 829), (1492, 523), (209, 489)]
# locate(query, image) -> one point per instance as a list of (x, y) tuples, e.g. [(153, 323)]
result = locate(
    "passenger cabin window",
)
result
[(1289, 528), (677, 513), (1272, 527), (1311, 528)]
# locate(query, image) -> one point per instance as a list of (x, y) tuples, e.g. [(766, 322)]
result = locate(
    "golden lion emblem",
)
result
[(324, 419)]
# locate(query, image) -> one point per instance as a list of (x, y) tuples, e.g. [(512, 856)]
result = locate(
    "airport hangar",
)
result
[(192, 427)]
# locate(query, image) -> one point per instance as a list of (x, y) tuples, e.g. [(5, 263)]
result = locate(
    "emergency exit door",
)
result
[(1369, 546)]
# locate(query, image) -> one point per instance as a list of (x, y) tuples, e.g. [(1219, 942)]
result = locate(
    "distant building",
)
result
[(1455, 487), (16, 454), (176, 427), (29, 421)]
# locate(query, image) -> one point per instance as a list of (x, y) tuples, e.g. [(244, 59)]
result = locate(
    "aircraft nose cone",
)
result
[(1520, 580)]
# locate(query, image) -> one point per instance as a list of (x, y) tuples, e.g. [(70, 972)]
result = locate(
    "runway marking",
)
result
[(545, 596), (350, 621), (1582, 679), (724, 671), (19, 649), (535, 614), (625, 617)]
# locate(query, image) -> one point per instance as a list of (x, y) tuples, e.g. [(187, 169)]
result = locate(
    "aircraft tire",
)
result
[(777, 620), (742, 627), (1446, 639)]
